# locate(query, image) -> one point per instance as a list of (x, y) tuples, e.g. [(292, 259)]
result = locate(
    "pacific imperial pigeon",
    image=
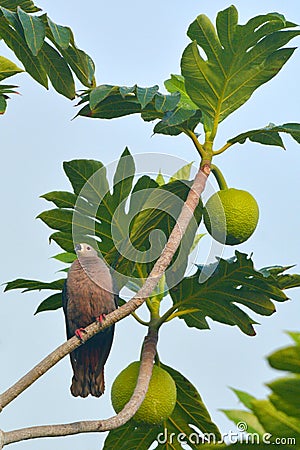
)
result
[(88, 296)]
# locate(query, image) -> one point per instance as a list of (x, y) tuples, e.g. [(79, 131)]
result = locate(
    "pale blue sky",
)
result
[(137, 42)]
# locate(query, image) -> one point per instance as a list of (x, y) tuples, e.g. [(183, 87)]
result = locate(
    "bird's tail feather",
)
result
[(88, 376)]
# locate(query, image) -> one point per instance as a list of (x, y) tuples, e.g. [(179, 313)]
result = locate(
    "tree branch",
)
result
[(125, 310), (88, 426)]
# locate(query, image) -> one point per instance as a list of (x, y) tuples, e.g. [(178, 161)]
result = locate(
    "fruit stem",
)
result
[(219, 177)]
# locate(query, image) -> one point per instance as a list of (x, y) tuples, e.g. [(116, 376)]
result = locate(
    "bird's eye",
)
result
[(88, 248)]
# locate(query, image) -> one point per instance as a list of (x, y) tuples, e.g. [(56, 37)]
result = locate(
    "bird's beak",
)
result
[(77, 247)]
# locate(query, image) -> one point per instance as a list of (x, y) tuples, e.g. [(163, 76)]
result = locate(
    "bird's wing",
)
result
[(64, 305)]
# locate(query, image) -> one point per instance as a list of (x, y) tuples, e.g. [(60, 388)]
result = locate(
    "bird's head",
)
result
[(85, 250)]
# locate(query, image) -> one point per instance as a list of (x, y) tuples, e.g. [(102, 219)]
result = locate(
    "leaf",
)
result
[(81, 64), (286, 359), (183, 173), (189, 410), (8, 68), (239, 416), (269, 135), (58, 71), (159, 212), (160, 179), (50, 304), (4, 90), (64, 240), (295, 336), (145, 95), (240, 58), (165, 103), (2, 104), (34, 285), (27, 5), (108, 102), (112, 107), (99, 93), (81, 173), (18, 45), (34, 30), (216, 290), (164, 127), (61, 35), (125, 90), (176, 84), (282, 404), (65, 257), (13, 20), (275, 422), (62, 199), (287, 389), (245, 398), (70, 222)]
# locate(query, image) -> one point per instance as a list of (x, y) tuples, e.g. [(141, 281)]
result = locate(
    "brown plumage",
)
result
[(88, 295)]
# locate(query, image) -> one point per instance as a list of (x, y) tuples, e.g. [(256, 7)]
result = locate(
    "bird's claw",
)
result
[(79, 332), (101, 318)]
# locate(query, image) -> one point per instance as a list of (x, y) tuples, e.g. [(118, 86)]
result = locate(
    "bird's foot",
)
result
[(79, 333), (101, 318)]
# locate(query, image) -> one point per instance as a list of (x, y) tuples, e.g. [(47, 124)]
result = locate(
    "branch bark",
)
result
[(88, 426), (125, 310)]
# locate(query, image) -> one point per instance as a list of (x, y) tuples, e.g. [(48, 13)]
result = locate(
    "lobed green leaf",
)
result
[(239, 59), (216, 290)]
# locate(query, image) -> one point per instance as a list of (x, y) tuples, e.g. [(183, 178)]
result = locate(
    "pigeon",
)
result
[(88, 296)]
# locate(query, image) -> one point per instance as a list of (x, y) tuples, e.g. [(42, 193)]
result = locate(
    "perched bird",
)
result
[(88, 296)]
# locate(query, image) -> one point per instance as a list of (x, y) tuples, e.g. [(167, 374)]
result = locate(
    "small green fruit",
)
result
[(231, 216), (160, 399)]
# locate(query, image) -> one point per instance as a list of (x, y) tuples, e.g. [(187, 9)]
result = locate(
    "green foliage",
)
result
[(27, 5), (189, 412), (229, 282), (269, 135), (33, 285), (176, 112), (240, 58), (130, 221), (94, 214), (278, 415), (46, 50), (7, 69)]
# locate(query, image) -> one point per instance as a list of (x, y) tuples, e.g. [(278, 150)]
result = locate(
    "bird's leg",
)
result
[(101, 318), (79, 332)]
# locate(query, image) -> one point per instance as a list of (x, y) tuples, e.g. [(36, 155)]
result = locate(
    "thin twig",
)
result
[(88, 426)]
